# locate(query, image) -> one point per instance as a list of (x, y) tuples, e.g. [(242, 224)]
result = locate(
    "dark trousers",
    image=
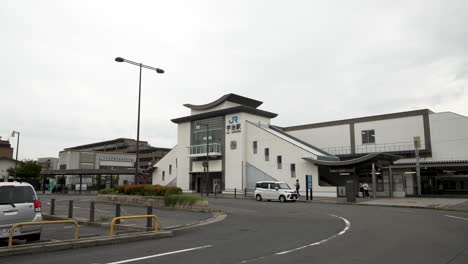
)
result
[(297, 191)]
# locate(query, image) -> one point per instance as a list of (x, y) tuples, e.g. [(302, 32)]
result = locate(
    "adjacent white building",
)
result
[(244, 147)]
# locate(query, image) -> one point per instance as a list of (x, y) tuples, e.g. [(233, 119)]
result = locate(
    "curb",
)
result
[(81, 243), (392, 205)]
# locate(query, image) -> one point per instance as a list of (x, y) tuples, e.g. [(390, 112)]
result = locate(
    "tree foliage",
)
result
[(27, 169)]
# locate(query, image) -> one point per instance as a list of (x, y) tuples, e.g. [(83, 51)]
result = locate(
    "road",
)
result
[(272, 232)]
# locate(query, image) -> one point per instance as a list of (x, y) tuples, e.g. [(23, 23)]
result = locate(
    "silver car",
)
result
[(19, 203)]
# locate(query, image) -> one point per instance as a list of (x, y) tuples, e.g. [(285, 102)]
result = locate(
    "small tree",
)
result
[(27, 169)]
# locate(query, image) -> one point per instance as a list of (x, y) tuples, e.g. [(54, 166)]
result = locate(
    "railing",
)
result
[(111, 232), (200, 150), (370, 148)]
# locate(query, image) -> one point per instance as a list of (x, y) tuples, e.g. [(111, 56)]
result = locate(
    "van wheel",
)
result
[(258, 197), (282, 199), (34, 237)]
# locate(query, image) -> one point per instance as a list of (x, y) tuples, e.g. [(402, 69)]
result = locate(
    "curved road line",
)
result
[(342, 232)]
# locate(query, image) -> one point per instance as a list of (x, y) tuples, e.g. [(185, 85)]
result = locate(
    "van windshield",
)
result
[(283, 185), (16, 194)]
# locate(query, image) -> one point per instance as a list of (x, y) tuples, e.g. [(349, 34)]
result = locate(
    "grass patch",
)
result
[(107, 191), (181, 199)]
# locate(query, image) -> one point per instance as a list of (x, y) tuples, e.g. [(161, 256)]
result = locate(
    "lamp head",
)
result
[(119, 59), (160, 71)]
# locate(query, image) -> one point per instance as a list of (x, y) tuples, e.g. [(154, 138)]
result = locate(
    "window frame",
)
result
[(368, 136), (267, 154), (293, 170), (279, 161)]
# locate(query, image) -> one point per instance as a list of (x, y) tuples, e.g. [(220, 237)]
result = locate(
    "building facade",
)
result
[(230, 144), (6, 150)]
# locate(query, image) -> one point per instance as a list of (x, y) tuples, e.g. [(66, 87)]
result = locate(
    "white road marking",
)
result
[(347, 226), (68, 226), (457, 217), (160, 255)]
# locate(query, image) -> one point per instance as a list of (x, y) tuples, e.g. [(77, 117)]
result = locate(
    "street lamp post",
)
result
[(160, 71), (17, 148)]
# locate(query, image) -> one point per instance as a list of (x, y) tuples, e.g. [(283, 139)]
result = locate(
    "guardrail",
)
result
[(12, 229), (132, 217)]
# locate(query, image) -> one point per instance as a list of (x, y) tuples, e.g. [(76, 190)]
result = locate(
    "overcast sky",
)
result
[(308, 61)]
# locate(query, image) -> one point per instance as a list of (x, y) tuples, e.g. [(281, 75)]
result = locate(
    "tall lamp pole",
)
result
[(160, 71), (17, 148)]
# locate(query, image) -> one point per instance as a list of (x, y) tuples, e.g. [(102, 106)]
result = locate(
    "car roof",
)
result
[(270, 182), (15, 184)]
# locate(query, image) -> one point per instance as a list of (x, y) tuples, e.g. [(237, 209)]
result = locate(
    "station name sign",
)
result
[(233, 126), (121, 159)]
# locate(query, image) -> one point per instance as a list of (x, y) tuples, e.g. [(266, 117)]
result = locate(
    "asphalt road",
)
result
[(272, 232)]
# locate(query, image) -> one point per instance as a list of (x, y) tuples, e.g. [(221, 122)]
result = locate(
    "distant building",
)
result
[(5, 149), (112, 154), (5, 164), (49, 163)]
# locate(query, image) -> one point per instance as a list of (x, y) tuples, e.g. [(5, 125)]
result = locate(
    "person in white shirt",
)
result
[(365, 186)]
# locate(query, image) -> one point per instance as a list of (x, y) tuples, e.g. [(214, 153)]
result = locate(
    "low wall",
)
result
[(155, 201)]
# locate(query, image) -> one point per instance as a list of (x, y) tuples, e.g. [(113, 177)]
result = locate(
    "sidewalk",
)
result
[(460, 204)]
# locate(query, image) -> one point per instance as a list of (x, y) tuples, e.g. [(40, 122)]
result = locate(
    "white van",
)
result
[(274, 190), (19, 203)]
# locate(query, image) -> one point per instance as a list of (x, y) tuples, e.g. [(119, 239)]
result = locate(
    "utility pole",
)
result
[(417, 145)]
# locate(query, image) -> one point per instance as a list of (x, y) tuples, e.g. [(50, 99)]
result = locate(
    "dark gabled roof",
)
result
[(226, 111), (368, 157), (228, 97), (102, 143), (359, 120)]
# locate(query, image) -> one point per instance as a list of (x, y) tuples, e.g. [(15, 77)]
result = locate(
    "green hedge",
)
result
[(143, 190), (181, 199)]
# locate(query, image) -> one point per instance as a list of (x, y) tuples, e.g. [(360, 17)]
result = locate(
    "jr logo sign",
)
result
[(233, 126), (233, 120)]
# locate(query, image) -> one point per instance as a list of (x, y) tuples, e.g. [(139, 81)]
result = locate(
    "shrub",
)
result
[(181, 199), (146, 190), (107, 191)]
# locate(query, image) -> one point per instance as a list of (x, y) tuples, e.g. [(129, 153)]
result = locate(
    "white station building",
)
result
[(243, 147)]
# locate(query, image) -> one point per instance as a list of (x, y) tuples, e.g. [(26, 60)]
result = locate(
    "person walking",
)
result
[(361, 190), (365, 186), (298, 186)]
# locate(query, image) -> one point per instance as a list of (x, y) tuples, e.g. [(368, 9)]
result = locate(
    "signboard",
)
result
[(233, 126), (84, 187), (309, 182)]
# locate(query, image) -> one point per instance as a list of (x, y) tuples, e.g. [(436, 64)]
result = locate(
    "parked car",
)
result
[(274, 190), (19, 203)]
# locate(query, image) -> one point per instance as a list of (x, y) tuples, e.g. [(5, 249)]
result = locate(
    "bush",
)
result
[(107, 191), (147, 190), (181, 199)]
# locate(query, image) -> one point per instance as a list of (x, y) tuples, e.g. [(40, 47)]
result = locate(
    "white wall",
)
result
[(163, 165), (397, 132), (4, 166), (70, 158), (290, 153), (449, 136), (325, 137)]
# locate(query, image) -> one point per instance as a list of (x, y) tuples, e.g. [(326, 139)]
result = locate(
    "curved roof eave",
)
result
[(227, 97), (370, 156), (232, 110)]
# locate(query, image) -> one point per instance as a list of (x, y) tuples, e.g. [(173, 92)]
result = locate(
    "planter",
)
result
[(155, 201)]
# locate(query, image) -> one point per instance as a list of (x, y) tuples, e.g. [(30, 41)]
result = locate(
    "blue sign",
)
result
[(309, 182), (233, 120)]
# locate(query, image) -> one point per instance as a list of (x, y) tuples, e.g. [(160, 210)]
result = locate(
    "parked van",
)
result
[(274, 190), (19, 203)]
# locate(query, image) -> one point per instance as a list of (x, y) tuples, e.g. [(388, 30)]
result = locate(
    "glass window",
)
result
[(254, 145), (264, 185), (368, 136), (279, 161), (273, 186), (267, 154), (163, 175), (170, 169), (16, 194), (293, 170)]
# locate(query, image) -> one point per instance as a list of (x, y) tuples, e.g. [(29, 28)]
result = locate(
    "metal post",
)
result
[(149, 221), (207, 158), (92, 208), (235, 193), (390, 178), (117, 212), (63, 184), (307, 192), (137, 169), (245, 192), (17, 149), (81, 182), (418, 166), (43, 184), (374, 184), (70, 209), (52, 206)]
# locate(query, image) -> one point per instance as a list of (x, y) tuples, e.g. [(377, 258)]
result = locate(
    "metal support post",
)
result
[(81, 182), (52, 206), (117, 212), (70, 209), (235, 193), (418, 166), (245, 192), (92, 208), (374, 183), (149, 221)]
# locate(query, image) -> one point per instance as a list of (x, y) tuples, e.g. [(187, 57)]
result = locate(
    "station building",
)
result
[(230, 144)]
